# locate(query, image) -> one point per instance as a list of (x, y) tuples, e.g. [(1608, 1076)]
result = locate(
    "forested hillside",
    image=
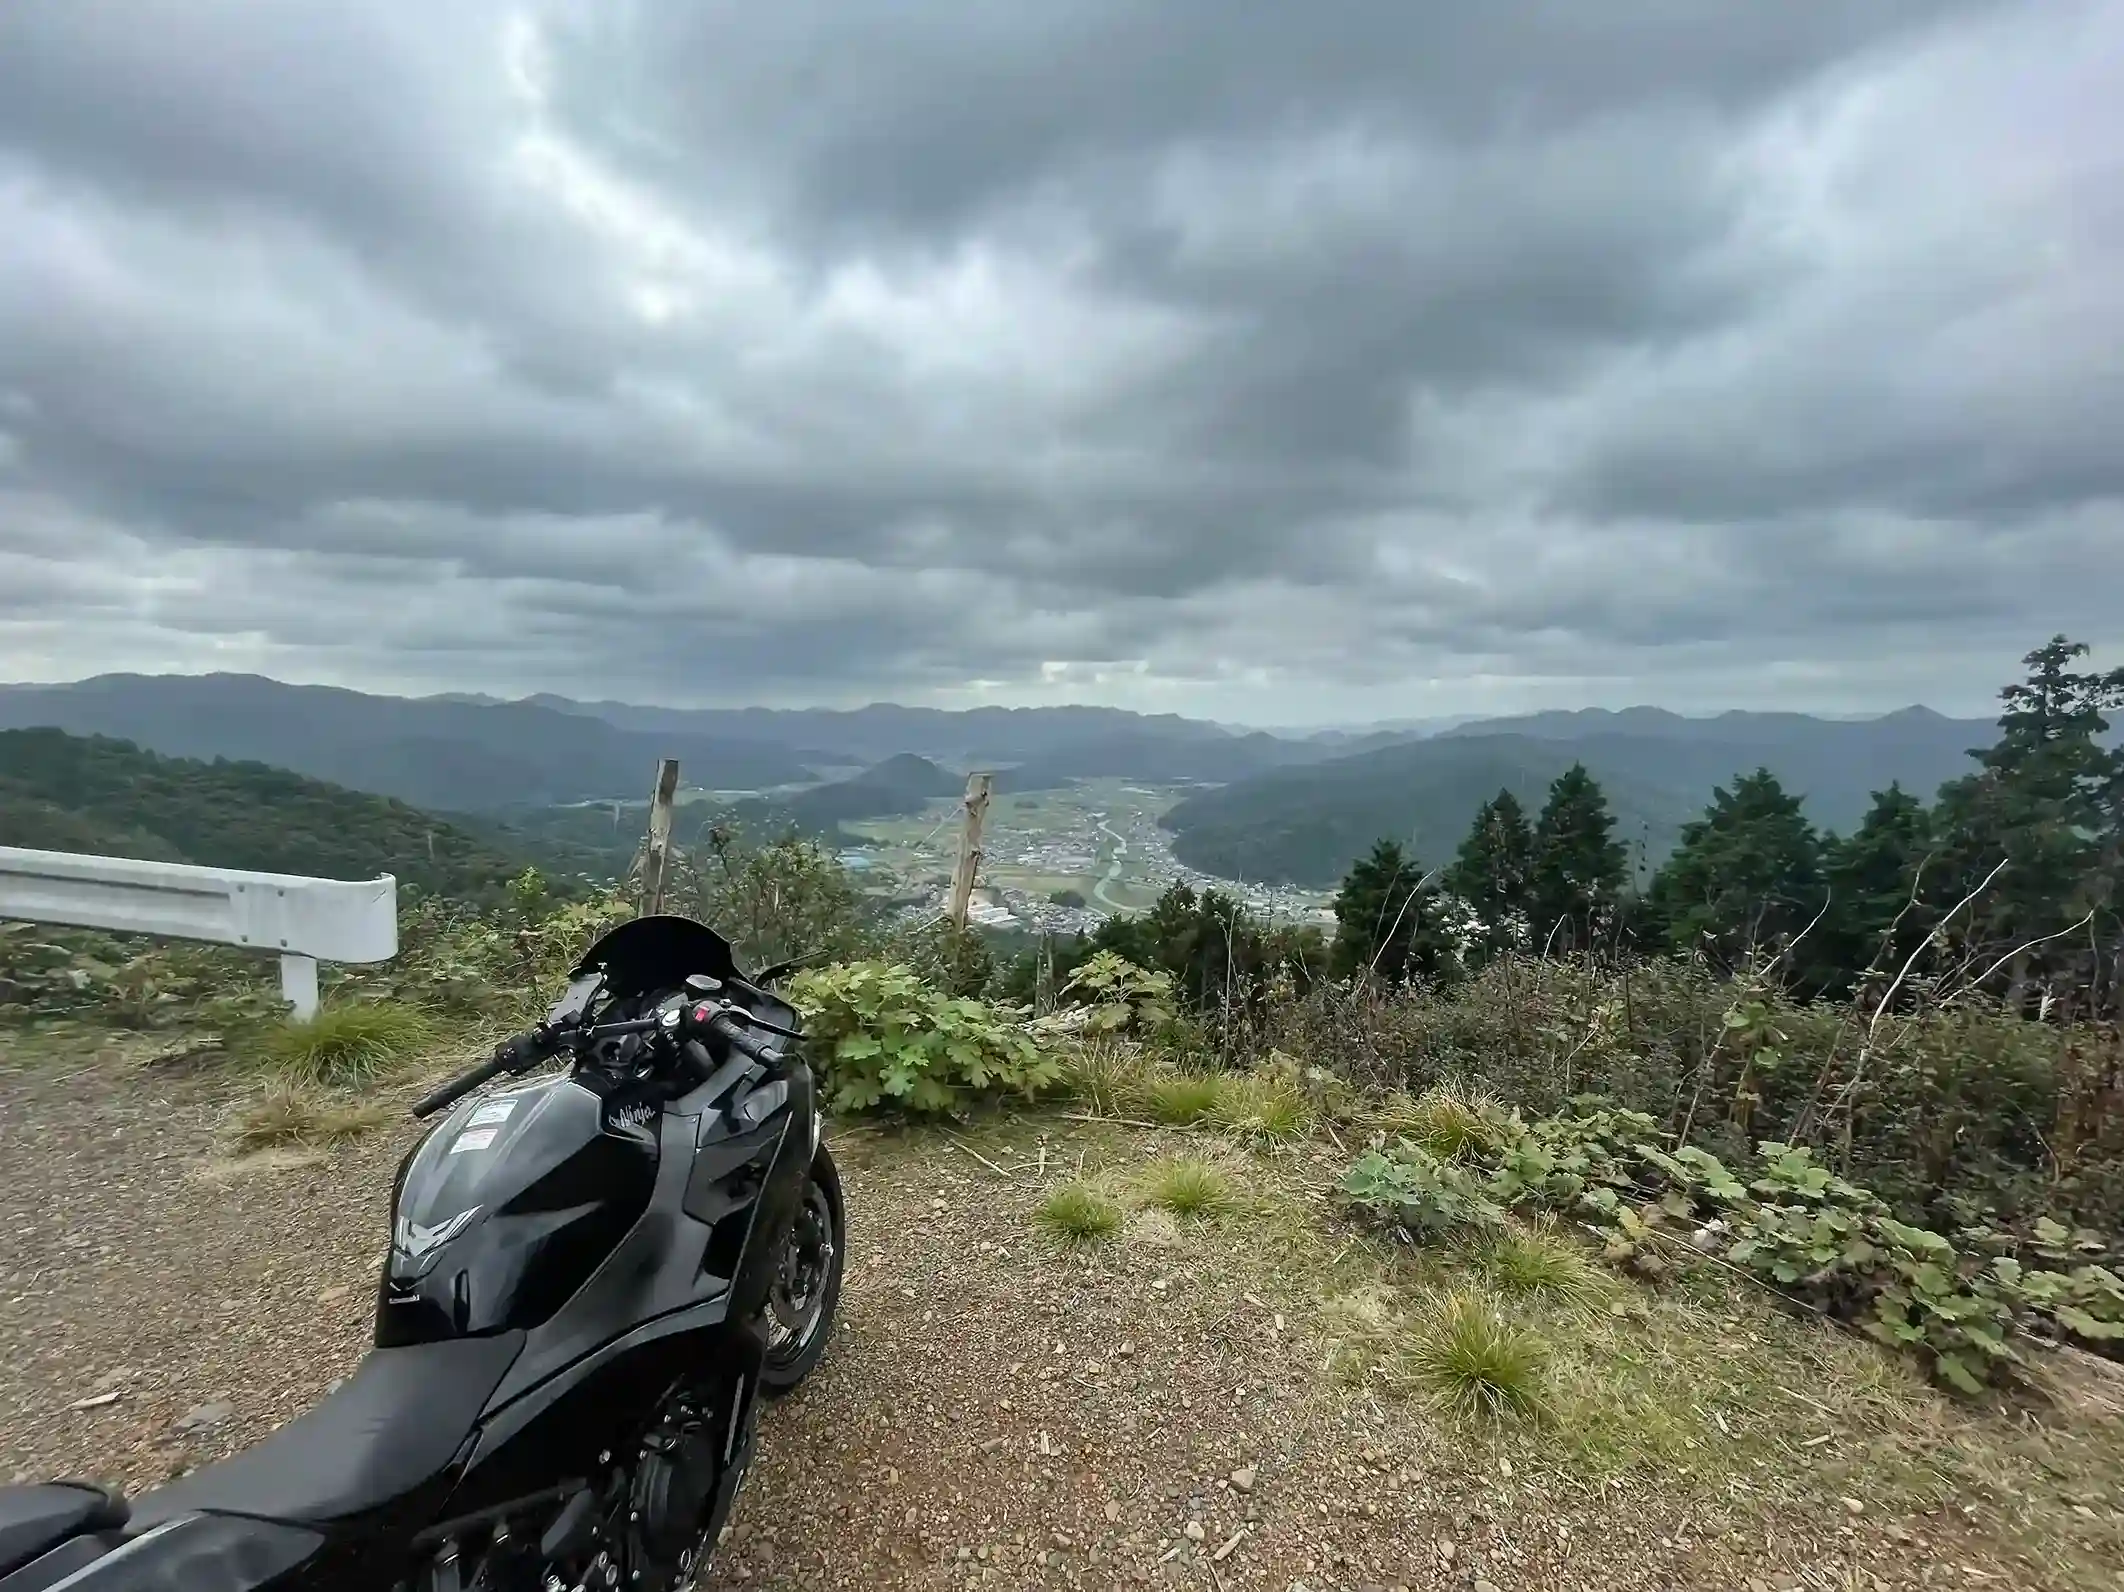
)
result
[(431, 752), (73, 793)]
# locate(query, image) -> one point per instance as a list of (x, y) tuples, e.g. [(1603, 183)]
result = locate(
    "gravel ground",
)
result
[(993, 1413)]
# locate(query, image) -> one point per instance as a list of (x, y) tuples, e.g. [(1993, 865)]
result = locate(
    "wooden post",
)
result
[(962, 878), (656, 865)]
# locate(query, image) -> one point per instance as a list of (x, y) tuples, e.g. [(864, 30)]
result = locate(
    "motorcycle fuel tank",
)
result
[(508, 1205)]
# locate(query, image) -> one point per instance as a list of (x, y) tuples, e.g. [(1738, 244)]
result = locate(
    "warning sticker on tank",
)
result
[(477, 1139), (492, 1111)]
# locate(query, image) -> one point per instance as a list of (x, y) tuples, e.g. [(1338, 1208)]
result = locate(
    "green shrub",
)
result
[(1078, 1216), (348, 1045), (1476, 1363), (1123, 998), (1425, 1197), (878, 1034)]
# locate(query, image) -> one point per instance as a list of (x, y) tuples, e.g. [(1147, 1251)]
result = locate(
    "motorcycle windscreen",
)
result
[(506, 1208), (657, 953)]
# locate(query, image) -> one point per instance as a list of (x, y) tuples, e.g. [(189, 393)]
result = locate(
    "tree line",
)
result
[(2012, 876), (2012, 873)]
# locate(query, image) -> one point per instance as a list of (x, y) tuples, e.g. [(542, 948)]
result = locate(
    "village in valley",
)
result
[(1055, 861)]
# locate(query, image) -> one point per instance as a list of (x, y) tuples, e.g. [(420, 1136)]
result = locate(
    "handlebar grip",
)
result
[(740, 1038), (460, 1086), (511, 1055)]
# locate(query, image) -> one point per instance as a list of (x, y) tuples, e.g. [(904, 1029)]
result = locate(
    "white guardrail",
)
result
[(302, 921)]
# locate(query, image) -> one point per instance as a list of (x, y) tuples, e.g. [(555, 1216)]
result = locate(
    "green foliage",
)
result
[(1078, 1216), (1791, 1222), (880, 1035), (1189, 1188), (1476, 1364), (1411, 1189), (348, 1045), (1451, 1123), (1123, 998), (788, 897)]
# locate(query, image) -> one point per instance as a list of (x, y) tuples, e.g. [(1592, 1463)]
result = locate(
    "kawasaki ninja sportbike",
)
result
[(593, 1279)]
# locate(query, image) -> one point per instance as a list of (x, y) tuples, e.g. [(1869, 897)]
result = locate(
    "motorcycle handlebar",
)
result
[(741, 1038)]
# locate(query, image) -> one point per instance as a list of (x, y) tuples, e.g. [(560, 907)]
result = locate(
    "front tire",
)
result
[(806, 1292)]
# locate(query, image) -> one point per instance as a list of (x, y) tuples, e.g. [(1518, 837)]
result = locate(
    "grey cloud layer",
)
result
[(1278, 362)]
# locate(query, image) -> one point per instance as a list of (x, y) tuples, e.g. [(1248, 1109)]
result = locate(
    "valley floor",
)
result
[(1185, 1405)]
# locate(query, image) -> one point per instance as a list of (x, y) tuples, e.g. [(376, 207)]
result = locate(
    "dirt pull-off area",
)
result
[(1185, 1403)]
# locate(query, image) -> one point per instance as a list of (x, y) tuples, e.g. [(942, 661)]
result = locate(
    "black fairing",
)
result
[(507, 1207)]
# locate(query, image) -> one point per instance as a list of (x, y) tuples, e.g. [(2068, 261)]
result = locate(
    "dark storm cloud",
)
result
[(1262, 360)]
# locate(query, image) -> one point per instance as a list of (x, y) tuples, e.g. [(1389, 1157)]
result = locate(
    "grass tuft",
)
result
[(1540, 1262), (1078, 1216), (1181, 1099), (1264, 1109), (1454, 1124), (288, 1116), (348, 1045), (1190, 1189), (1475, 1363), (1106, 1078)]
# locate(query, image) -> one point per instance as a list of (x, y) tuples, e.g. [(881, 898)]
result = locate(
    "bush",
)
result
[(1425, 1197), (1123, 998), (877, 1034), (1453, 1123), (348, 1045)]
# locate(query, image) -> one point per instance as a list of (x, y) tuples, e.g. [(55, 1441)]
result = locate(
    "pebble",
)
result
[(1243, 1478), (202, 1416)]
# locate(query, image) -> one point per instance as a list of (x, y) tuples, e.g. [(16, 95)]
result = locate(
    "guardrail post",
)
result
[(298, 984)]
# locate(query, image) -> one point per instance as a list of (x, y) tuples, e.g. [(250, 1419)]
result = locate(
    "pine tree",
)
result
[(1385, 923), (2046, 802), (1872, 876), (1748, 874), (1578, 865), (1494, 873)]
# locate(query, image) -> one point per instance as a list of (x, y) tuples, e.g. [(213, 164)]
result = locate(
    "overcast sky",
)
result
[(1279, 363)]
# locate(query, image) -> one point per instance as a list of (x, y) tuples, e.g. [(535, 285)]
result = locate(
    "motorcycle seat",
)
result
[(395, 1424), (34, 1520)]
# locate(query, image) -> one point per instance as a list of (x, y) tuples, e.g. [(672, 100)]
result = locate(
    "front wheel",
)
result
[(807, 1284)]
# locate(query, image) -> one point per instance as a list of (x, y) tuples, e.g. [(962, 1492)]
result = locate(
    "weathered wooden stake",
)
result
[(656, 865), (962, 878)]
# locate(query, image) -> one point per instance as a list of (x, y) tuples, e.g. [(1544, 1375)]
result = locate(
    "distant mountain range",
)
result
[(1291, 807), (1306, 825), (470, 753)]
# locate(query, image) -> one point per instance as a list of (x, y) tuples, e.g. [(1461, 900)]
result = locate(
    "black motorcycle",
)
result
[(594, 1278)]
